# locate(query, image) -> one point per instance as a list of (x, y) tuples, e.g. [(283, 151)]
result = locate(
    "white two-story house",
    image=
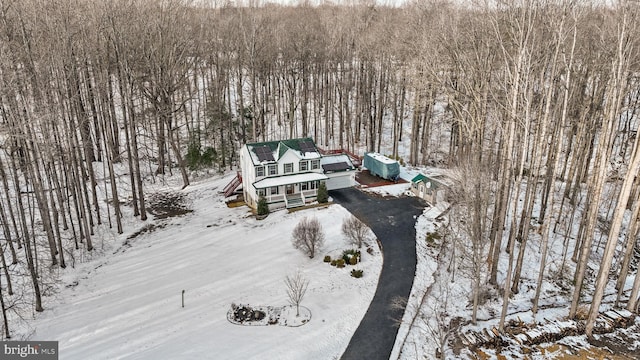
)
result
[(288, 172)]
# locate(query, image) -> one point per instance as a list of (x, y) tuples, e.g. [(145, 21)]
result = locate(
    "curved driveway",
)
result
[(393, 222)]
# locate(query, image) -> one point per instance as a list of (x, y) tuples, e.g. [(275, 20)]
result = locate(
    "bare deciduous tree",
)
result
[(308, 236), (296, 289), (471, 198), (355, 230)]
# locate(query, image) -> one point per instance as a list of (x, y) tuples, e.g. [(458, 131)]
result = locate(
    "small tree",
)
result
[(308, 236), (355, 230), (296, 288), (323, 194), (263, 207)]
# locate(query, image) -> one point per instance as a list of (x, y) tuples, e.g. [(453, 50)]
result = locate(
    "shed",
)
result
[(382, 166), (431, 188)]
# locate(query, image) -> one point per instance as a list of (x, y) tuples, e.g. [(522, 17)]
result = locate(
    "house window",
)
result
[(314, 184), (261, 192), (273, 169), (288, 168), (315, 164), (259, 170), (304, 165), (273, 190), (304, 186)]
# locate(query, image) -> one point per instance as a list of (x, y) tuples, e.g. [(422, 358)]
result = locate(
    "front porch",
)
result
[(289, 198), (289, 191)]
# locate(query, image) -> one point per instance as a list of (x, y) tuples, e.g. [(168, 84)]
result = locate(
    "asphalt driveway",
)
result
[(393, 222)]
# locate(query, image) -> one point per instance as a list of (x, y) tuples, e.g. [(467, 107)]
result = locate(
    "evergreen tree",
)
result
[(263, 208), (323, 195)]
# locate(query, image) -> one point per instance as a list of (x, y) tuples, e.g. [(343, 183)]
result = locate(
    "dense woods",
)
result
[(534, 100)]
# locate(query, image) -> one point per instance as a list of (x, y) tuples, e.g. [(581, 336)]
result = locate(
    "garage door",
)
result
[(340, 180)]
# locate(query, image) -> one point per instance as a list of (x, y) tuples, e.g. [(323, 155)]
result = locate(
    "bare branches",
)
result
[(296, 289), (355, 230), (308, 236)]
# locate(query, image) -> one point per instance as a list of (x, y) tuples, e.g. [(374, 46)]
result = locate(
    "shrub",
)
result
[(351, 256), (334, 262), (356, 273), (327, 259), (323, 194), (340, 263), (208, 156), (193, 154), (263, 207), (196, 157), (432, 238)]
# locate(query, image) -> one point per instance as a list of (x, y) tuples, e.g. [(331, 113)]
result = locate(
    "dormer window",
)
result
[(273, 169), (315, 164), (304, 165), (259, 171)]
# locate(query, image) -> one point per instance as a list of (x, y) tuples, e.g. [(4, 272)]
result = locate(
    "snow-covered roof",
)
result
[(288, 179), (336, 162), (271, 151), (308, 155), (333, 159), (381, 158)]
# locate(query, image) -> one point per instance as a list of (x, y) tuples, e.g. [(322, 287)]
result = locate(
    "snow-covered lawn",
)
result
[(128, 304)]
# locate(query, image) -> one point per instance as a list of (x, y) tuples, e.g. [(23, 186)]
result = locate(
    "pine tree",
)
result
[(323, 195)]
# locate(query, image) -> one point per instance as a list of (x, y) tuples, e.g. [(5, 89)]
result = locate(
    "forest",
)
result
[(532, 102)]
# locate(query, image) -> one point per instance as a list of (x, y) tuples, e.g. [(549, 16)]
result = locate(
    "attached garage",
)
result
[(339, 170), (340, 180)]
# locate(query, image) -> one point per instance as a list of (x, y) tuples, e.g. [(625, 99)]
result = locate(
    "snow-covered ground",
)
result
[(128, 304), (440, 301)]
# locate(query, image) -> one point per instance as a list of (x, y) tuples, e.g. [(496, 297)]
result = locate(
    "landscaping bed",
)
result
[(268, 315)]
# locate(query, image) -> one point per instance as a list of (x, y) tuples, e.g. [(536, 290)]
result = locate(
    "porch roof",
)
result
[(288, 179)]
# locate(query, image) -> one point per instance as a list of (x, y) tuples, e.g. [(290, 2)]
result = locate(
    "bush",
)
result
[(327, 259), (432, 238), (351, 256), (208, 156), (340, 263), (263, 207), (323, 194), (334, 262), (193, 155), (356, 273), (196, 157)]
